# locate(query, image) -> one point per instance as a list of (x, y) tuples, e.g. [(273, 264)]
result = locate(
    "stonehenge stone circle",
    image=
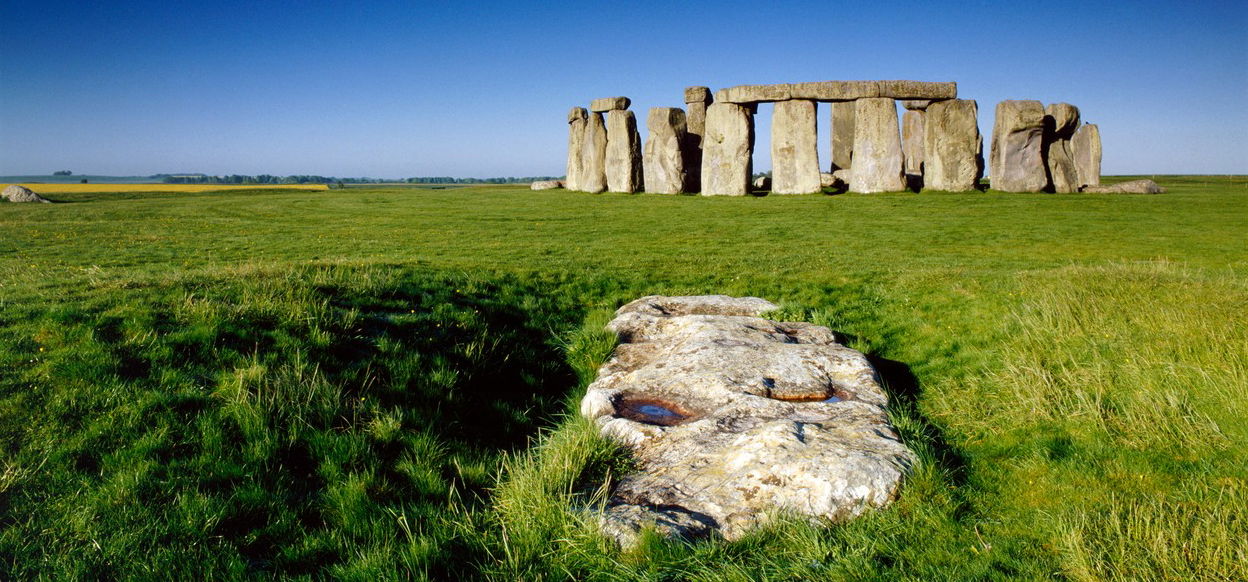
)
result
[(842, 134), (1086, 146), (623, 167), (696, 101), (726, 149), (1060, 122), (606, 104), (1017, 156), (733, 420), (937, 145), (912, 144), (877, 165), (593, 176), (577, 118), (953, 148), (794, 148), (663, 164)]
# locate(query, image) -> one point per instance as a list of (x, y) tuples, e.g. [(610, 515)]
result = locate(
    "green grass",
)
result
[(379, 383)]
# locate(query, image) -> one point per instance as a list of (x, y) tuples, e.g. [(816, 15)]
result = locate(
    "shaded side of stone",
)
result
[(1060, 122), (664, 163), (1017, 156), (1086, 147), (842, 123), (623, 170), (953, 154), (593, 176), (577, 118), (877, 165), (912, 145)]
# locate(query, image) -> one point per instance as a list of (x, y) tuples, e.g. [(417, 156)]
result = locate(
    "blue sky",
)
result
[(396, 89)]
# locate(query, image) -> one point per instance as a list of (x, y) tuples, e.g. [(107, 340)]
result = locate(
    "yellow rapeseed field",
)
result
[(60, 188)]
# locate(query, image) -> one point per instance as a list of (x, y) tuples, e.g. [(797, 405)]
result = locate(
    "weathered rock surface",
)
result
[(1086, 147), (606, 104), (727, 148), (762, 183), (1132, 187), (696, 101), (734, 419), (18, 193), (546, 185), (837, 91), (953, 151), (593, 176), (664, 163), (577, 118), (877, 147), (1017, 158), (624, 172), (1060, 122), (843, 115), (916, 104), (912, 144), (794, 148)]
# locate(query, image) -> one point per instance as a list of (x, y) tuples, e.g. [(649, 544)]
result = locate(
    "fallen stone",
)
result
[(593, 176), (1132, 187), (953, 150), (762, 183), (833, 180), (1060, 122), (794, 148), (727, 148), (624, 172), (577, 118), (606, 104), (546, 185), (18, 193), (734, 419), (1086, 147), (1017, 160), (663, 163), (842, 134), (877, 147), (912, 144)]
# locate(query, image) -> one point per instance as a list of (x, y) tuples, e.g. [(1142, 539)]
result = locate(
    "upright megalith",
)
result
[(794, 148), (1086, 147), (663, 163), (1060, 122), (727, 148), (912, 144), (877, 165), (577, 119), (623, 167), (953, 157), (842, 134), (1017, 156), (697, 99), (593, 177)]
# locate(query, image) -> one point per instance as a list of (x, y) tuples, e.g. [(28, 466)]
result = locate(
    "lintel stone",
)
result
[(837, 91), (606, 104), (697, 94)]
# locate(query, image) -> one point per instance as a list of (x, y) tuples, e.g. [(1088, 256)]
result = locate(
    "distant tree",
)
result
[(83, 181), (62, 173)]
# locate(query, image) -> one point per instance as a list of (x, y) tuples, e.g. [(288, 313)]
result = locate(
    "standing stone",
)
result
[(794, 148), (877, 147), (696, 101), (912, 143), (953, 147), (1060, 122), (576, 147), (727, 148), (842, 134), (664, 164), (1086, 147), (623, 152), (1017, 155), (593, 177)]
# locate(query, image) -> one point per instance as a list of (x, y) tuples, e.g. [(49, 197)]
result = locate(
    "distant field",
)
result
[(159, 187), (380, 384)]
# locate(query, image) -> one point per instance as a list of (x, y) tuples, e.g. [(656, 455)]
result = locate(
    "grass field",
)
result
[(378, 385), (42, 188)]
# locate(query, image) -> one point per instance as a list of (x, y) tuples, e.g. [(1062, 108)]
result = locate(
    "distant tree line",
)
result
[(308, 179), (62, 173)]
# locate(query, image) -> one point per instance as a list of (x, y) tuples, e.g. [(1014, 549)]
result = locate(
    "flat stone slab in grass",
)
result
[(1133, 187), (16, 193), (734, 419)]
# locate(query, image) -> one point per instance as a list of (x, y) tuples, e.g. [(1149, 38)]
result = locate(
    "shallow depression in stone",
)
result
[(651, 411)]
